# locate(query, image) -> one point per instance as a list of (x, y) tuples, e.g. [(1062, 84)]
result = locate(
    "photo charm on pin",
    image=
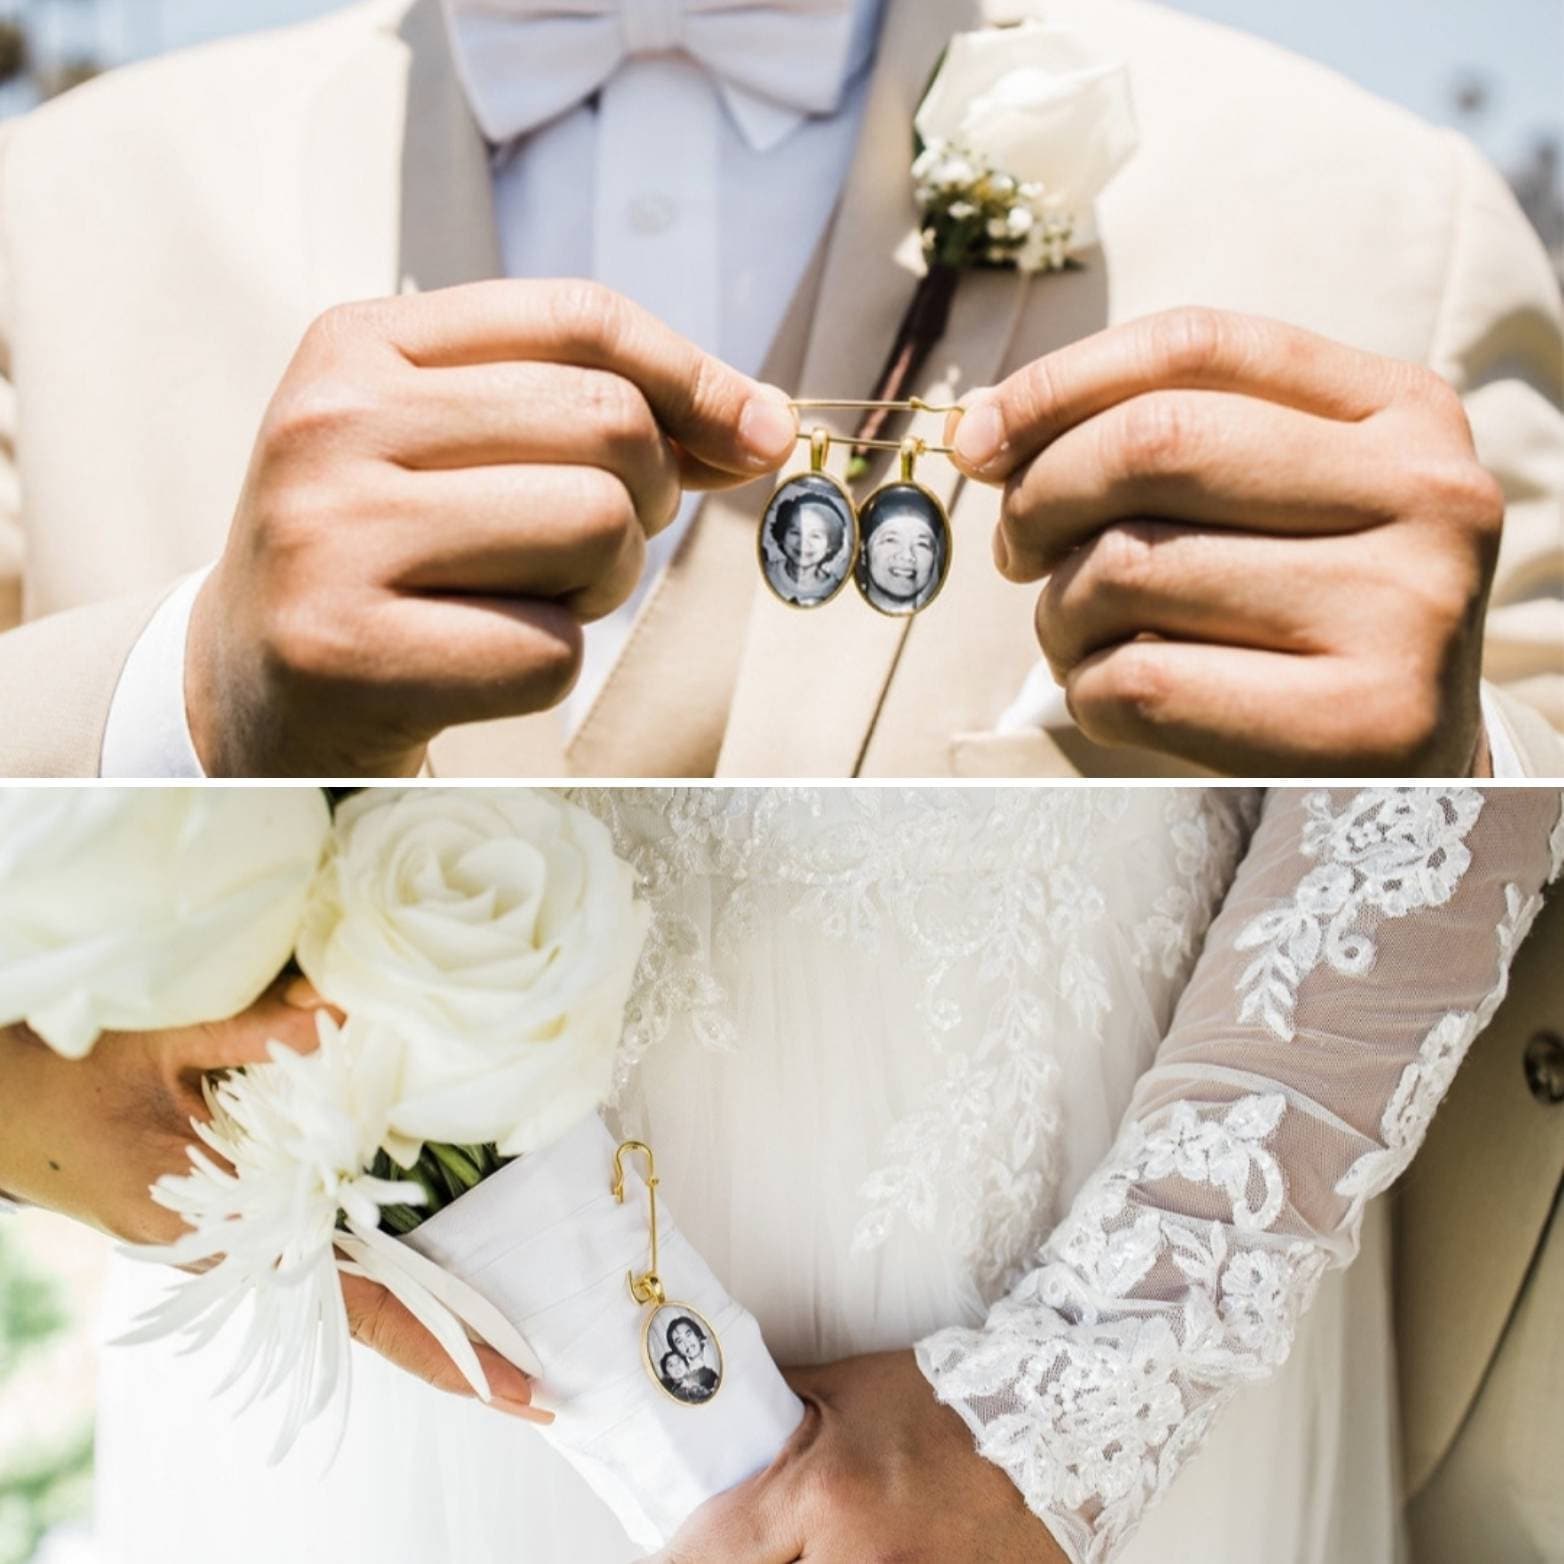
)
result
[(904, 558), (808, 539), (679, 1347), (683, 1354), (897, 548)]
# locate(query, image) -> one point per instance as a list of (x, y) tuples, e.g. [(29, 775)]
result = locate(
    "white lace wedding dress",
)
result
[(883, 1044)]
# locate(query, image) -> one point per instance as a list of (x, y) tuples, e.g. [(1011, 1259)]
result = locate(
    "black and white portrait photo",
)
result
[(684, 1354), (905, 554), (808, 540)]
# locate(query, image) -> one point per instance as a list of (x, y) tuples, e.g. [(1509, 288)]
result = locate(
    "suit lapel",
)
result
[(834, 663), (664, 707), (397, 193)]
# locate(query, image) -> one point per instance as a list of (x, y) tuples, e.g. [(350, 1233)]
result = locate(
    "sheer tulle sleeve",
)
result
[(1365, 943)]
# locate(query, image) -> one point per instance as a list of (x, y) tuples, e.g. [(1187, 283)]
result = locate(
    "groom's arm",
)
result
[(1500, 342), (11, 552), (57, 675)]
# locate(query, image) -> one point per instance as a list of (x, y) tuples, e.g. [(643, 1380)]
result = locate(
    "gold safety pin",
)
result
[(646, 1288), (913, 404), (924, 448)]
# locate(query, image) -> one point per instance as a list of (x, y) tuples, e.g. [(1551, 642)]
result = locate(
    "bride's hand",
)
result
[(878, 1471), (89, 1137)]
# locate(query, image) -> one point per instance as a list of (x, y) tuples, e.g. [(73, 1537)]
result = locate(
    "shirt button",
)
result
[(653, 214), (1545, 1068)]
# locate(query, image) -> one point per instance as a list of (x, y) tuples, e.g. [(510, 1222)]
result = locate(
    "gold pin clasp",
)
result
[(645, 1288), (914, 404)]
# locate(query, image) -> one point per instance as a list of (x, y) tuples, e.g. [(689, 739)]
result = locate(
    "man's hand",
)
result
[(445, 488), (88, 1138), (879, 1473), (1265, 553)]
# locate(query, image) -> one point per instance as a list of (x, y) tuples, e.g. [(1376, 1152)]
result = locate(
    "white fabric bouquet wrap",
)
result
[(483, 947), (545, 1242)]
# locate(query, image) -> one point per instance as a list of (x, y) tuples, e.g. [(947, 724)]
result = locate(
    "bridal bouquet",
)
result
[(442, 1140)]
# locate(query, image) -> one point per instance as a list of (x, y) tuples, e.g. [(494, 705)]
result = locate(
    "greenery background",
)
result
[(51, 1275)]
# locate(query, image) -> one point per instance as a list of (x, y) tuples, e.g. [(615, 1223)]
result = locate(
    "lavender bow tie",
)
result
[(526, 62)]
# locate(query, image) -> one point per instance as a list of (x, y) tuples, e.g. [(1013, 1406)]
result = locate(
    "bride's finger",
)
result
[(381, 1323), (284, 1014), (1195, 584)]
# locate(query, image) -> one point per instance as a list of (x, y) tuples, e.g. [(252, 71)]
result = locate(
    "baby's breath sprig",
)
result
[(976, 215)]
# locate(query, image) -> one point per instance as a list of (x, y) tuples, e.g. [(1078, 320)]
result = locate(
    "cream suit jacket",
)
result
[(1480, 1291), (167, 234)]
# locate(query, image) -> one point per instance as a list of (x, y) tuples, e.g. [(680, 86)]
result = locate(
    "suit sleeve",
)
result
[(1365, 943), (1500, 342), (57, 675), (11, 555)]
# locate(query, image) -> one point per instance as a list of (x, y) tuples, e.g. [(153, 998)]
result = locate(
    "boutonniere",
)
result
[(1021, 130)]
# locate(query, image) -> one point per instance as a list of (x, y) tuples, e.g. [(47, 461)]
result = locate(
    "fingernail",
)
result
[(768, 427), (520, 1409), (981, 436), (509, 1383), (1001, 551)]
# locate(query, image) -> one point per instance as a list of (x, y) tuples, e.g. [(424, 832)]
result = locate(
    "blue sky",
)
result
[(1410, 50)]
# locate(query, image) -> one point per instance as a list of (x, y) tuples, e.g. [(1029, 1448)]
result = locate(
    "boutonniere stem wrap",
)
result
[(1020, 132)]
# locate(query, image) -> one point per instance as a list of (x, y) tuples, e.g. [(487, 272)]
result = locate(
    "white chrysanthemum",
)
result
[(296, 1140)]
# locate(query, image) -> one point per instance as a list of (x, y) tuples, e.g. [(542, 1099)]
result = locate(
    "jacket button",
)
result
[(1545, 1068)]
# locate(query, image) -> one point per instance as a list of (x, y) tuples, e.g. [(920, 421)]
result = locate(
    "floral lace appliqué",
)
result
[(1428, 1078), (1183, 1268), (995, 897), (1391, 850)]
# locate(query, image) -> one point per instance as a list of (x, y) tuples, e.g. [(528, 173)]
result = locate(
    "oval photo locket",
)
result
[(904, 550), (808, 542)]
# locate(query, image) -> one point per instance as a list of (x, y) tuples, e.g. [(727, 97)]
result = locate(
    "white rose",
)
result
[(134, 909), (1037, 105), (498, 934)]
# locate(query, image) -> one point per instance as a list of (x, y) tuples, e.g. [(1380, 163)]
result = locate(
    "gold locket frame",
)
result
[(820, 441), (912, 450), (655, 1373), (647, 1288)]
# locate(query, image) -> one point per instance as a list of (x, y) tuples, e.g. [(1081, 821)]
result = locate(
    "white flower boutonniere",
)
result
[(1020, 133)]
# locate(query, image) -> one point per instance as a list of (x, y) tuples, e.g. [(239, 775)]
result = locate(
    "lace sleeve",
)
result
[(1366, 941)]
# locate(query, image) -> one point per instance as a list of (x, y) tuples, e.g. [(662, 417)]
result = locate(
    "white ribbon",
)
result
[(444, 1305), (545, 1247), (535, 1263)]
